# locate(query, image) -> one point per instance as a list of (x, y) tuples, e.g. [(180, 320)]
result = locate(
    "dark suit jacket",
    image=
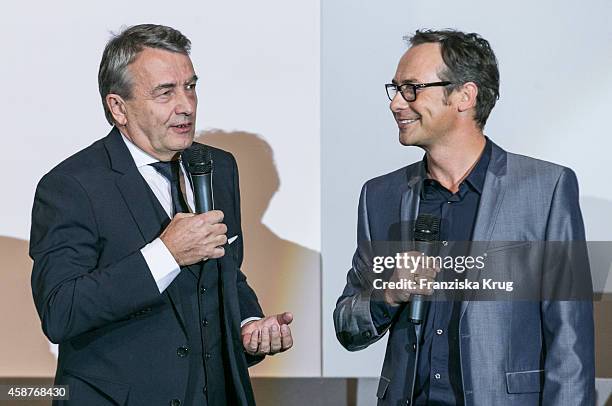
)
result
[(118, 336), (513, 352)]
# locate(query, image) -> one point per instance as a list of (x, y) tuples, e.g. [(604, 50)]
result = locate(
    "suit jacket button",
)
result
[(175, 402), (182, 351), (366, 334)]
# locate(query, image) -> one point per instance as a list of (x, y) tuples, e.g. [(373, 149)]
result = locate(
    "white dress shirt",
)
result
[(160, 261), (162, 264)]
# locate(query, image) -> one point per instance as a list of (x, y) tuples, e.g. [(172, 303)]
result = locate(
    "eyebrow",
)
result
[(411, 81), (164, 86)]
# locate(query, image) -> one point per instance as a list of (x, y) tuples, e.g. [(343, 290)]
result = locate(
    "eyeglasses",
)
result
[(409, 90)]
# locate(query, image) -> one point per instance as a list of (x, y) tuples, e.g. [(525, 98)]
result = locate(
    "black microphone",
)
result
[(198, 162), (426, 236)]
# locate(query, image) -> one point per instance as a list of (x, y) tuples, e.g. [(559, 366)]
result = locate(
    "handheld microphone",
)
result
[(426, 234), (198, 162)]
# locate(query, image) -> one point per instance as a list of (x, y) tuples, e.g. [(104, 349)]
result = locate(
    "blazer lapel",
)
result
[(221, 195), (491, 199), (135, 193), (409, 206), (409, 209)]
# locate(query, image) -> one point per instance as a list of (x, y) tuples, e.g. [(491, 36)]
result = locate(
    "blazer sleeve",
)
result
[(72, 294), (355, 328), (568, 324)]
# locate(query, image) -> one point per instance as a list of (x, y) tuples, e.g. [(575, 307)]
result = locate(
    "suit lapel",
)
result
[(136, 194), (221, 200), (133, 188), (409, 210), (409, 206), (491, 199)]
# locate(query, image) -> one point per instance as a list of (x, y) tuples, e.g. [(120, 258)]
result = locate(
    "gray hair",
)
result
[(122, 49)]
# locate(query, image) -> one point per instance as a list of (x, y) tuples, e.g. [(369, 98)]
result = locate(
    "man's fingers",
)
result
[(252, 342), (264, 345), (213, 216), (284, 318), (217, 252), (423, 286), (286, 338), (221, 239), (183, 215), (219, 229), (426, 272), (275, 339), (255, 340)]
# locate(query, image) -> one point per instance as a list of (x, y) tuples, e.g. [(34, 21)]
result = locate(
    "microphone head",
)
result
[(197, 159), (427, 228)]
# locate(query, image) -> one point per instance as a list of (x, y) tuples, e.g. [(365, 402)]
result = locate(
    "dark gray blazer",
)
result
[(512, 352)]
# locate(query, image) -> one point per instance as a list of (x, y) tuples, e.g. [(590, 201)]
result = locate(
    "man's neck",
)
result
[(451, 162)]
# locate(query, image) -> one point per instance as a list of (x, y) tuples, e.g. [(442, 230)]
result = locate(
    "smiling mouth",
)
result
[(404, 123)]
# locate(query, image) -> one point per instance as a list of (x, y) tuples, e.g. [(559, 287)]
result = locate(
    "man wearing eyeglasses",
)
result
[(471, 352)]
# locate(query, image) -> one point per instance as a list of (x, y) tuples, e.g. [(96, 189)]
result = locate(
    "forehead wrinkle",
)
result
[(154, 72)]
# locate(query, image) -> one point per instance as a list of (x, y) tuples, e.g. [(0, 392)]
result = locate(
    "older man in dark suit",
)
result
[(146, 299)]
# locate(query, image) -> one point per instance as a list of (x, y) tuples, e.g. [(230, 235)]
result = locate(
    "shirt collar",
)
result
[(477, 176), (140, 157)]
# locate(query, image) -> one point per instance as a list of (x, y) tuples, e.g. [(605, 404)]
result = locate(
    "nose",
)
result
[(186, 103), (398, 103)]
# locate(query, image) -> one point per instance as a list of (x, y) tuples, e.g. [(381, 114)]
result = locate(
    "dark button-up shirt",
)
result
[(439, 369), (439, 379)]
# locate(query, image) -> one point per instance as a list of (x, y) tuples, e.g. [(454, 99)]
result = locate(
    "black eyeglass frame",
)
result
[(414, 86)]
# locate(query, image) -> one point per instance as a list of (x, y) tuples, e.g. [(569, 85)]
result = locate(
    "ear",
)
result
[(117, 107), (467, 94)]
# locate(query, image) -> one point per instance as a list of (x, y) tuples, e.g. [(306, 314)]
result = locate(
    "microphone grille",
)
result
[(197, 159), (426, 228)]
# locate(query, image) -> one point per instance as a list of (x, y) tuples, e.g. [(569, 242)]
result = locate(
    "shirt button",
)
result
[(439, 331), (205, 322), (207, 355), (182, 351), (202, 289), (437, 376)]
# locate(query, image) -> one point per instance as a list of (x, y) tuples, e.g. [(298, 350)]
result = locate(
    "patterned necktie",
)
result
[(171, 171)]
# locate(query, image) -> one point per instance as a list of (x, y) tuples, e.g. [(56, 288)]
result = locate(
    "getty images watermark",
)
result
[(411, 262), (486, 270)]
